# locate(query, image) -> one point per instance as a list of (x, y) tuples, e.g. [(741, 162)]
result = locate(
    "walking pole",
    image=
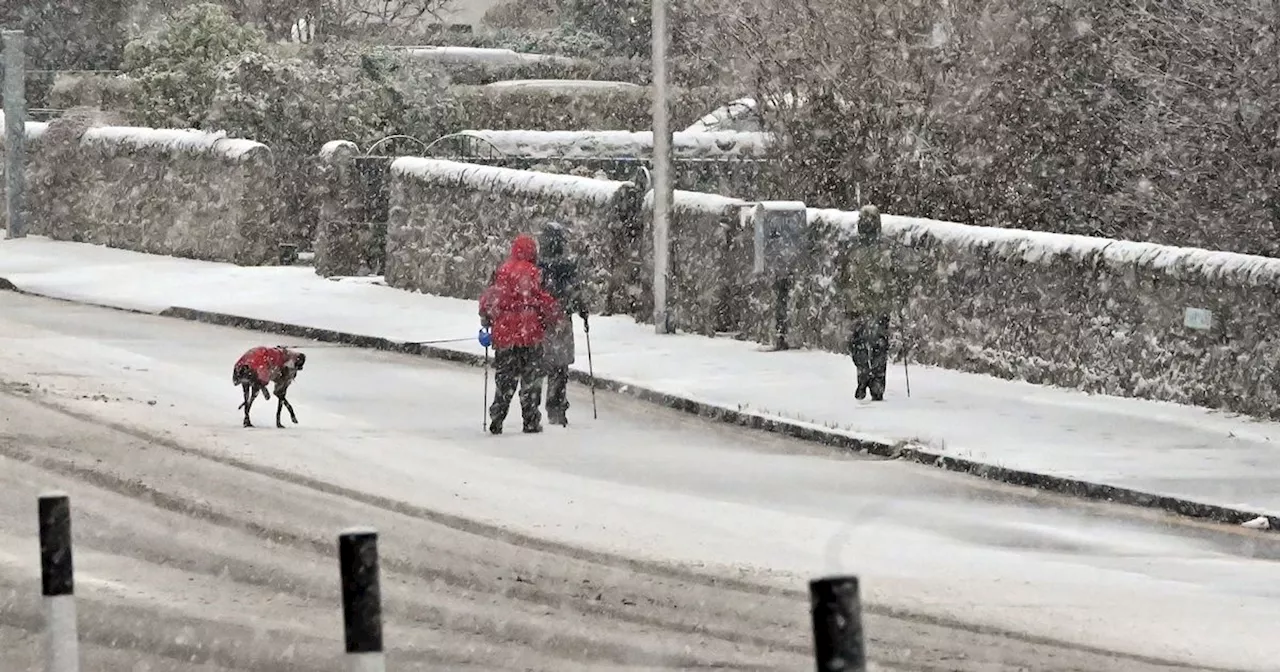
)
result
[(591, 371), (486, 341), (902, 319), (906, 372)]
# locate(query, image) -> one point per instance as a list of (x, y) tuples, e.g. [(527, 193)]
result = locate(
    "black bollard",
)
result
[(837, 625), (57, 583), (361, 600)]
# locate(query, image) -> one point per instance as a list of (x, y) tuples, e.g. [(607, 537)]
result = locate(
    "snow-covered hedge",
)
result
[(1089, 313), (710, 259), (452, 223), (176, 192)]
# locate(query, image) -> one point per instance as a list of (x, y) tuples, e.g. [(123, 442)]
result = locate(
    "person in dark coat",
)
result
[(560, 278), (518, 311), (868, 285)]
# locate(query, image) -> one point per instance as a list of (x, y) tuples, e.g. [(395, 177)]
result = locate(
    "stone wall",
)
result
[(35, 130), (348, 239), (708, 264), (175, 192), (451, 224)]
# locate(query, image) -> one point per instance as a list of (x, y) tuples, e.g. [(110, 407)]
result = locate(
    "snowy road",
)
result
[(202, 541)]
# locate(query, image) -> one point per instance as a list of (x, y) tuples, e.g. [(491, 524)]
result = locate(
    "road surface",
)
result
[(643, 540)]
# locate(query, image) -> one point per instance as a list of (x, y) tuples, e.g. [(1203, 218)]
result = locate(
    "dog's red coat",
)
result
[(266, 362)]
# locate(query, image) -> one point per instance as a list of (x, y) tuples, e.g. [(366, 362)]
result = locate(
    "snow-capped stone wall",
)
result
[(344, 232), (709, 261), (452, 223), (34, 130), (176, 192)]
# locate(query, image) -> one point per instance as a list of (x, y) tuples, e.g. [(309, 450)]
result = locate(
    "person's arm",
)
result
[(548, 308), (486, 307), (578, 303)]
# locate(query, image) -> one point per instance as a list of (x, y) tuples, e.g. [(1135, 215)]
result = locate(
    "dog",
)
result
[(262, 365)]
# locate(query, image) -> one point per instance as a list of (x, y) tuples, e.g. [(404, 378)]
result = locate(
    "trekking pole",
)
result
[(484, 338), (906, 372), (591, 371), (484, 415)]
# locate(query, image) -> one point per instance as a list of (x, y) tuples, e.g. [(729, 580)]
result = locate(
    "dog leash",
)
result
[(308, 346)]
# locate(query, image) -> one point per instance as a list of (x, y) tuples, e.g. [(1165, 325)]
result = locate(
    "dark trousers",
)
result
[(869, 348), (557, 392), (781, 295), (517, 367)]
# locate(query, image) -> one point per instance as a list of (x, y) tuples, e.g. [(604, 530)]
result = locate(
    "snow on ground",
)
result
[(1152, 446), (651, 483)]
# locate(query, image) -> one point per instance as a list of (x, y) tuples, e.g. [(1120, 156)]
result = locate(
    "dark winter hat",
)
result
[(551, 240), (868, 223)]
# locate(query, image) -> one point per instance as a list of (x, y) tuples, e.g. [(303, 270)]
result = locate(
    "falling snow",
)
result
[(1073, 287)]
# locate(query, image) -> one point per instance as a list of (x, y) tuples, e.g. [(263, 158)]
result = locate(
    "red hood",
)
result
[(524, 249)]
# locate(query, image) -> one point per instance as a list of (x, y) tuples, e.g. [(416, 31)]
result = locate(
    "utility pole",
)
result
[(662, 194), (15, 118)]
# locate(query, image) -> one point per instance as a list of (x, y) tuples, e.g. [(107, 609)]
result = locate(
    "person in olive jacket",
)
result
[(560, 279), (870, 297)]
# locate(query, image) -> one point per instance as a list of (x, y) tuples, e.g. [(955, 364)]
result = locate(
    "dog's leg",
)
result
[(285, 402), (249, 394)]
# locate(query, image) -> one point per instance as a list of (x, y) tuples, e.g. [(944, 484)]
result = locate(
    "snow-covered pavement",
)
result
[(1168, 449), (648, 483)]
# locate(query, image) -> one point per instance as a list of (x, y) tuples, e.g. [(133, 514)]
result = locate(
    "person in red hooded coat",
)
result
[(518, 311)]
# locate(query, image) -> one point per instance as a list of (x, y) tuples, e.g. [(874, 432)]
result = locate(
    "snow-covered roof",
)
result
[(507, 180), (620, 144), (1041, 246), (479, 55), (743, 113), (726, 117)]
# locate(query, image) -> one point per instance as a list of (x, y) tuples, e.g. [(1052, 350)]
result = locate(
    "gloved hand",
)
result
[(484, 337), (586, 326), (485, 321)]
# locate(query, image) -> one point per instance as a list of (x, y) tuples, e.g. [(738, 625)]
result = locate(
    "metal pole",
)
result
[(57, 583), (662, 195), (837, 625), (361, 600), (15, 117)]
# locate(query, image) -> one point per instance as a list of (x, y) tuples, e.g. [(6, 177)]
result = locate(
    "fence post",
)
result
[(15, 112), (62, 644), (837, 625), (361, 600)]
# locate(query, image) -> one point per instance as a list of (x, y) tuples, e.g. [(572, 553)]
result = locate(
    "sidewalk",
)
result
[(1200, 462)]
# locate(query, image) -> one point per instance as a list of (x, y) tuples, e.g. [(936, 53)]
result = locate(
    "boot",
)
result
[(495, 426), (557, 417), (861, 392), (533, 426)]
